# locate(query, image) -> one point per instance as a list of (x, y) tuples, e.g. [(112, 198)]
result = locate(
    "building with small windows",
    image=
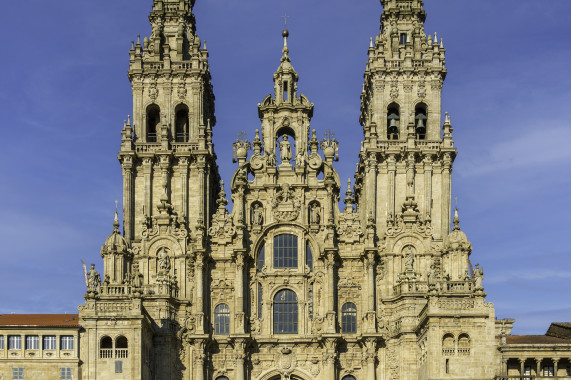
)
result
[(39, 346), (287, 284)]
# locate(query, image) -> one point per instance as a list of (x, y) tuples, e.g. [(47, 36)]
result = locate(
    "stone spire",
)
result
[(285, 78)]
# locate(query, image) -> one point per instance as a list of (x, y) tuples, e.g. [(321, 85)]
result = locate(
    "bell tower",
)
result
[(153, 282)]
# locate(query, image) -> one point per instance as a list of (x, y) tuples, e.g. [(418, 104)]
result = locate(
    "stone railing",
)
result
[(121, 353), (456, 286), (402, 144), (175, 146), (106, 353), (115, 290), (410, 286)]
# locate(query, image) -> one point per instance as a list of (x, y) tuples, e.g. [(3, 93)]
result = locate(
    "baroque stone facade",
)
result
[(287, 285)]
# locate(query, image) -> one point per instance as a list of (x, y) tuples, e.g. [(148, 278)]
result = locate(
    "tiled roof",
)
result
[(535, 339), (39, 320), (560, 330)]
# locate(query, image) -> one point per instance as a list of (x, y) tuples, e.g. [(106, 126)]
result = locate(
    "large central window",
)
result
[(285, 312), (285, 251)]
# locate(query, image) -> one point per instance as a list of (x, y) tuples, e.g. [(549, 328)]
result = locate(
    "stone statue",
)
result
[(432, 277), (285, 150), (300, 160), (478, 277), (93, 278), (106, 280), (164, 261), (137, 277), (314, 214), (409, 260), (258, 215)]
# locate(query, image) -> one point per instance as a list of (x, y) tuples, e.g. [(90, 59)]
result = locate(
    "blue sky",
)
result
[(64, 95)]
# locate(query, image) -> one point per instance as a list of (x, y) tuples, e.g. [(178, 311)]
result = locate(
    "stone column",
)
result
[(555, 367), (200, 291), (370, 358), (391, 165), (504, 366), (329, 357), (371, 281), (199, 361), (427, 186), (331, 323), (128, 215), (183, 170), (521, 362), (240, 354), (538, 369), (446, 195), (239, 300), (372, 186), (147, 172)]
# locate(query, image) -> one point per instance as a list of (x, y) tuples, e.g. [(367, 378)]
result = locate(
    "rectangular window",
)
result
[(568, 371), (49, 342), (118, 366), (403, 38), (285, 91), (260, 295), (66, 342), (548, 371), (14, 342), (65, 373), (32, 342), (1, 342), (285, 251), (18, 373)]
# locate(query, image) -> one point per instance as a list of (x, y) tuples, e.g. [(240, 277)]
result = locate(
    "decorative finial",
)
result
[(204, 47), (285, 50), (129, 119), (371, 42), (116, 219), (138, 39), (456, 217), (447, 120)]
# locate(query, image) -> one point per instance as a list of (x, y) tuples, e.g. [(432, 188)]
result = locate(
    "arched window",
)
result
[(285, 251), (285, 312), (106, 348), (153, 120), (349, 377), (121, 347), (308, 257), (464, 344), (448, 344), (222, 319), (181, 123), (261, 258), (393, 121), (349, 318), (420, 120)]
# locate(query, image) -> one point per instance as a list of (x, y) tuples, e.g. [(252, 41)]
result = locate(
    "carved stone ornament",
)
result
[(222, 230), (257, 162), (314, 161), (153, 91), (349, 230), (394, 92), (181, 91), (286, 206), (421, 90)]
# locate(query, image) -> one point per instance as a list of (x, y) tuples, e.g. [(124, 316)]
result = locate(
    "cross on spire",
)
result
[(285, 17)]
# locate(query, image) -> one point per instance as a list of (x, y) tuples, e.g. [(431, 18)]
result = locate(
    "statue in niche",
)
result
[(432, 277), (257, 215), (164, 261), (285, 150), (93, 278), (314, 214), (409, 260)]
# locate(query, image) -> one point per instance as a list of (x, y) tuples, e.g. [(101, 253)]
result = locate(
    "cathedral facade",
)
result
[(287, 284)]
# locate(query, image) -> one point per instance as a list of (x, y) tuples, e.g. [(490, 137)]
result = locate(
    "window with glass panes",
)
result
[(49, 342), (118, 366), (32, 342), (14, 342), (66, 342), (1, 342), (285, 251), (261, 258), (222, 319), (65, 373), (548, 370), (285, 312), (18, 373), (349, 318), (349, 377), (309, 257)]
